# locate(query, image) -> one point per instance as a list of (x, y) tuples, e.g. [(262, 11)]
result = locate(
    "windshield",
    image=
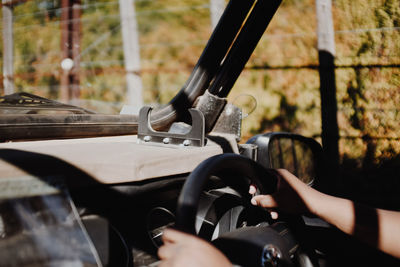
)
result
[(102, 55)]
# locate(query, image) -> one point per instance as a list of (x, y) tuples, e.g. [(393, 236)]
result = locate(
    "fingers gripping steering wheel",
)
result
[(234, 170), (237, 172)]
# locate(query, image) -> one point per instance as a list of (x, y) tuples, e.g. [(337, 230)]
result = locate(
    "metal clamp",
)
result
[(194, 137)]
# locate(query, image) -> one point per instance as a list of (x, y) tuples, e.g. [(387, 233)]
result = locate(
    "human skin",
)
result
[(294, 197), (181, 249)]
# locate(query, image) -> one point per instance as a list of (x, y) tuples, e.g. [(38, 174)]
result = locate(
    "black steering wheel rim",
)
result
[(244, 172)]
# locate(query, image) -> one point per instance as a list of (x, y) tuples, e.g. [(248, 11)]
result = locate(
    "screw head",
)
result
[(166, 140), (186, 142), (147, 138)]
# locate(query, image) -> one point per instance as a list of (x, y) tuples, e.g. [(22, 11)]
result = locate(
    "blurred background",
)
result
[(73, 51)]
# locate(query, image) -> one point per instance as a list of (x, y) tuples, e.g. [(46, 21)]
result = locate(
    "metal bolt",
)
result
[(147, 138), (166, 140), (186, 142)]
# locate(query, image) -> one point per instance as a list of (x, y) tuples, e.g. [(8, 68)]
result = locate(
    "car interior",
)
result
[(85, 189)]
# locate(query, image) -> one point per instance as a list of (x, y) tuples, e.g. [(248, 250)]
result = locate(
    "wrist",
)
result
[(336, 211), (313, 200)]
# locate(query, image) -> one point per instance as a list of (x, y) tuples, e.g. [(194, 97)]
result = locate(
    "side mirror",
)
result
[(300, 155)]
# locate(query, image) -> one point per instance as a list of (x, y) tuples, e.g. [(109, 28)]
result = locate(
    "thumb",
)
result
[(265, 201)]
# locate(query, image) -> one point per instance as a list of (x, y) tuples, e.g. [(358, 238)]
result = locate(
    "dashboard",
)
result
[(135, 215), (101, 208)]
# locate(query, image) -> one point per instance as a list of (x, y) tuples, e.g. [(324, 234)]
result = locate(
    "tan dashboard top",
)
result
[(112, 160)]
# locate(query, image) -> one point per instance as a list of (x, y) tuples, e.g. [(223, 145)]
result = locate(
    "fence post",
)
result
[(326, 53), (8, 48), (216, 9), (70, 47), (76, 48), (130, 37)]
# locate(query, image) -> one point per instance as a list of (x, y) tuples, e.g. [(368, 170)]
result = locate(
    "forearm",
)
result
[(379, 228), (336, 211), (389, 232)]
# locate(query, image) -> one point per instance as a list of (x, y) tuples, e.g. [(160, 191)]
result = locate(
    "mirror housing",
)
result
[(300, 155)]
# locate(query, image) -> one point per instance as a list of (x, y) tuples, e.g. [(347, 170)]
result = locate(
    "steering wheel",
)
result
[(249, 246), (234, 170)]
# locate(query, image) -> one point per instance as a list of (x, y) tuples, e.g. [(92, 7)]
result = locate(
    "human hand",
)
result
[(291, 196), (181, 249)]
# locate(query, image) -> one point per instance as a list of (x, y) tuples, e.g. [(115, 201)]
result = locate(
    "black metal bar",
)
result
[(330, 126), (208, 64), (244, 45)]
